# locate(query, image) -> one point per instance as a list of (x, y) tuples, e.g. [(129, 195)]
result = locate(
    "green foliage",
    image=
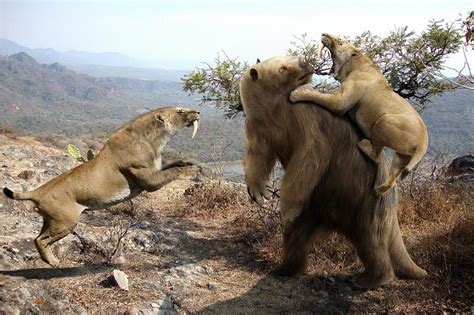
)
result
[(308, 48), (90, 155), (75, 152), (218, 84), (408, 60)]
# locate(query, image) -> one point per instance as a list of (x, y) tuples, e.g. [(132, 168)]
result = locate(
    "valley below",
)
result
[(54, 102)]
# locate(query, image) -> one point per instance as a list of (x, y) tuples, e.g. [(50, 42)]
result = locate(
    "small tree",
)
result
[(218, 84), (412, 63)]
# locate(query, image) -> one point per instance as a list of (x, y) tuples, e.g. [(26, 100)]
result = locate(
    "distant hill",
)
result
[(41, 97), (131, 72), (48, 55), (52, 99), (450, 121), (95, 64)]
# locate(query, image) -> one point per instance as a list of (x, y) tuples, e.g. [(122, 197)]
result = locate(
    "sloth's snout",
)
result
[(303, 62)]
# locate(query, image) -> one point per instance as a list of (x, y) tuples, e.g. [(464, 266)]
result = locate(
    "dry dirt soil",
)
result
[(175, 263)]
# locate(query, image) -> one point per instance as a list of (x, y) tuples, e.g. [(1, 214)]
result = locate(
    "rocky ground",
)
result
[(174, 263)]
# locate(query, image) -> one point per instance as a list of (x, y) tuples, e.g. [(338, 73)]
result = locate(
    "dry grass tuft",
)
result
[(257, 226), (209, 198), (436, 217), (6, 129)]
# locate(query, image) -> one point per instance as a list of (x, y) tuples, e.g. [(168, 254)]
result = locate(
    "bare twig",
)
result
[(115, 236), (461, 79), (218, 150)]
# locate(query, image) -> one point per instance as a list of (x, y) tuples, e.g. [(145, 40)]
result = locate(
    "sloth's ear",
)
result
[(254, 74), (159, 118), (258, 60)]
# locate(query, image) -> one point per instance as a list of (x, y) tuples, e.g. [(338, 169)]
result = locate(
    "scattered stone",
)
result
[(119, 260), (132, 311), (36, 297), (181, 234), (142, 240), (24, 293), (14, 250), (209, 270), (211, 285), (462, 168), (143, 225), (52, 172), (39, 300), (26, 174), (120, 279), (46, 163), (167, 304)]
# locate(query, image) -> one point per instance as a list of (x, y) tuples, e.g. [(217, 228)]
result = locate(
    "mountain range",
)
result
[(53, 99), (95, 64), (48, 55)]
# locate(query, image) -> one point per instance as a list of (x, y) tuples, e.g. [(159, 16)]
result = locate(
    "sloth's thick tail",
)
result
[(18, 196), (402, 262)]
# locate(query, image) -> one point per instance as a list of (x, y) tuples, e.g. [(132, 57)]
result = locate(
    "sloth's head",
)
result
[(176, 118), (279, 74)]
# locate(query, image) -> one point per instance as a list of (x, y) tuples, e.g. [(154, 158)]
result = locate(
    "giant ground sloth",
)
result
[(328, 183)]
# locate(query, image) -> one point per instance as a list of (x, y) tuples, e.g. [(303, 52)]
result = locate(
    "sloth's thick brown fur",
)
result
[(328, 181), (129, 163)]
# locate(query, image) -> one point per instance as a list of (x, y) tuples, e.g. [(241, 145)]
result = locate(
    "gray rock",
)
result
[(24, 293), (119, 260), (209, 270), (211, 285), (26, 174), (133, 311), (167, 304), (14, 250), (121, 279)]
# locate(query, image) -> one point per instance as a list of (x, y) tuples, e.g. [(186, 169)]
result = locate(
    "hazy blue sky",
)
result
[(181, 33)]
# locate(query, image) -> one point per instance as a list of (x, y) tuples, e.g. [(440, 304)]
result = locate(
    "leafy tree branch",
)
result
[(412, 63)]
